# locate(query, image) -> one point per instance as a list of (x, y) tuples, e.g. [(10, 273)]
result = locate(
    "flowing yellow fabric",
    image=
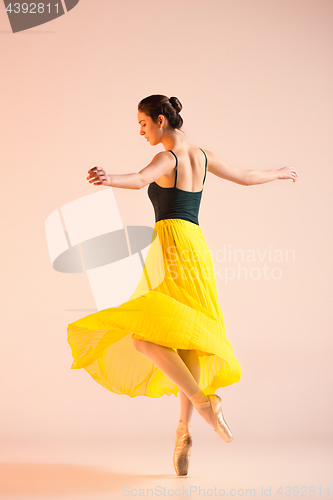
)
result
[(175, 304)]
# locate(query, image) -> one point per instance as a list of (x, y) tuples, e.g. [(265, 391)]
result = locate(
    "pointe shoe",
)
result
[(221, 427), (181, 455)]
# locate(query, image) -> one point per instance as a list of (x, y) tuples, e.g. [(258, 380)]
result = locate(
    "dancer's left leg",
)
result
[(170, 363), (174, 367)]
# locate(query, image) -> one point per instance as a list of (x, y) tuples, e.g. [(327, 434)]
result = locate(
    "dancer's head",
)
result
[(159, 117)]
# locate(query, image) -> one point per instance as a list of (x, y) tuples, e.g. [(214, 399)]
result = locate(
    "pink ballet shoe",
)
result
[(221, 426), (181, 455)]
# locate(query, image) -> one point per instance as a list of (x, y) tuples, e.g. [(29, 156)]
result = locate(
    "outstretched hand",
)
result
[(287, 173), (98, 176)]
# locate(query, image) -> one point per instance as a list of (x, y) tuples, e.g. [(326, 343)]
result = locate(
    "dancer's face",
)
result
[(153, 132)]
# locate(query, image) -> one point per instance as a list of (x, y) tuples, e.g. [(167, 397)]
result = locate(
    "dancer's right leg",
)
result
[(191, 360)]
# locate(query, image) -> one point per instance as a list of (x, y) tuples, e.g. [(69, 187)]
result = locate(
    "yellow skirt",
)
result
[(175, 304)]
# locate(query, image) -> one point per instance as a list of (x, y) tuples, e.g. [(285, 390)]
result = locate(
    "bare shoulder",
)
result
[(218, 167), (213, 162), (161, 164), (164, 156)]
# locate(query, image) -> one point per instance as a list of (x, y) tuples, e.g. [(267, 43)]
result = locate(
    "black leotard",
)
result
[(175, 203)]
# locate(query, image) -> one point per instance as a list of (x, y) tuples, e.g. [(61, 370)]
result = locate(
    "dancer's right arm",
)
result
[(246, 177), (219, 168)]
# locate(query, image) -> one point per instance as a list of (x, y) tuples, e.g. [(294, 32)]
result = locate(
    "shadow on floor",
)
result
[(42, 479)]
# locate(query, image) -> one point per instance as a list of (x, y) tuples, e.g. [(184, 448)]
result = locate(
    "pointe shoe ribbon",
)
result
[(222, 428), (181, 455)]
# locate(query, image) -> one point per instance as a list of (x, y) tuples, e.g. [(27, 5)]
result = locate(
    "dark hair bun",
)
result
[(158, 104), (175, 102)]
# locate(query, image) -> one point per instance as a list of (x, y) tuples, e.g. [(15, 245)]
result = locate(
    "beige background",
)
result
[(255, 80)]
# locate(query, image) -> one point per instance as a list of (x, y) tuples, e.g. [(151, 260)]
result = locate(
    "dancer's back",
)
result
[(172, 201), (190, 169)]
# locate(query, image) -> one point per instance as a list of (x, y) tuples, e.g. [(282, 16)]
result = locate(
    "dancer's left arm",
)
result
[(161, 164), (99, 177)]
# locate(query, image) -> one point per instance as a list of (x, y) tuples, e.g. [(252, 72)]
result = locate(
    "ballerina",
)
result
[(173, 335)]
